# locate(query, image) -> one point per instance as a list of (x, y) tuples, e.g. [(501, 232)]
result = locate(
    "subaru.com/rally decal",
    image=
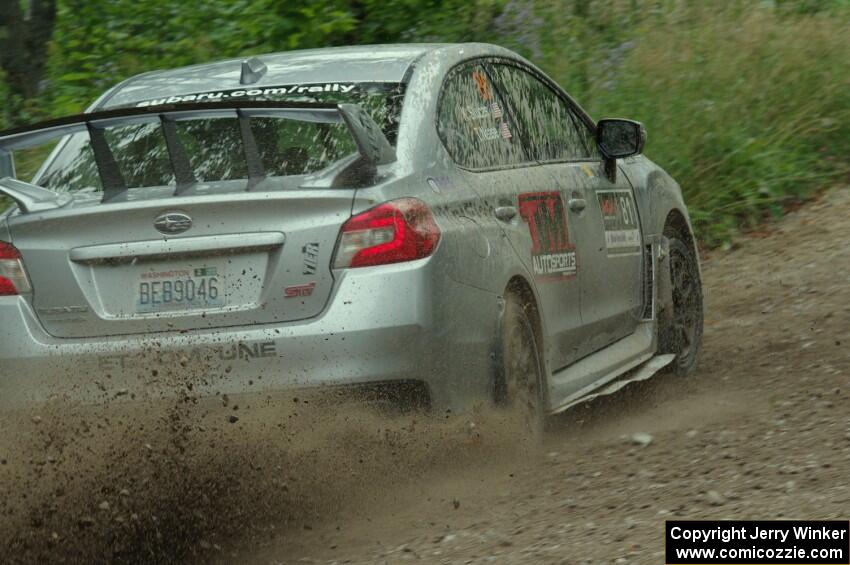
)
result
[(553, 256), (219, 95), (619, 218)]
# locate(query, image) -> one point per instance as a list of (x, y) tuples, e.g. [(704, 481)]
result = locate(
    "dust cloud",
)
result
[(183, 480)]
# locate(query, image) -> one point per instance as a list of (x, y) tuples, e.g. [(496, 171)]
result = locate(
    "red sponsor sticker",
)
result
[(553, 257)]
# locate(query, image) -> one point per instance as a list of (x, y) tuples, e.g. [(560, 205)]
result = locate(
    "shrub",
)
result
[(748, 106)]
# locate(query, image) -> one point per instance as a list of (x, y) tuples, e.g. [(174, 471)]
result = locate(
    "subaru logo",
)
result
[(172, 223)]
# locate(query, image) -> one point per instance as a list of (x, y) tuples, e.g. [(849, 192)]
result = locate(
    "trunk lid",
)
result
[(103, 270)]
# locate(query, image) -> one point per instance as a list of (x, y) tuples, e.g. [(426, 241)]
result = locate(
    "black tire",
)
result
[(519, 387), (681, 331)]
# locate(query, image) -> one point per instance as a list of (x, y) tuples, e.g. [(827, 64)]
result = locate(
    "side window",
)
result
[(553, 132), (473, 124)]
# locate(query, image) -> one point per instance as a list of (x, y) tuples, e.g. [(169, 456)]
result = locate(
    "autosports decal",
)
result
[(283, 90), (619, 218), (553, 256)]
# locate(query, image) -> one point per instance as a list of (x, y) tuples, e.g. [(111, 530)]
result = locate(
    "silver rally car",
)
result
[(441, 220)]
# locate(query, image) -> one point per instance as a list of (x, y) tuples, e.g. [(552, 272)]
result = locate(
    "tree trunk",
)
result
[(24, 35)]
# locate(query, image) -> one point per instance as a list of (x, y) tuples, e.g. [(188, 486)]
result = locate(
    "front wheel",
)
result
[(520, 385), (681, 330)]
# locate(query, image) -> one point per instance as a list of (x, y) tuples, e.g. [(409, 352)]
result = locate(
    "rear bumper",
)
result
[(381, 325)]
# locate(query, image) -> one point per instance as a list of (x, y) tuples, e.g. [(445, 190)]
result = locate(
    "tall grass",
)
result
[(747, 105)]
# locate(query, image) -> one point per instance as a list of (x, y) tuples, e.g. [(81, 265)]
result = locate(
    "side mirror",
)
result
[(7, 164), (617, 139)]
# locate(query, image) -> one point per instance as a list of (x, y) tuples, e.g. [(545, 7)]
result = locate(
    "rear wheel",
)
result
[(520, 386), (681, 332)]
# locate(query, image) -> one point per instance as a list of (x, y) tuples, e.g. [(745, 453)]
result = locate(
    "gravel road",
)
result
[(761, 431)]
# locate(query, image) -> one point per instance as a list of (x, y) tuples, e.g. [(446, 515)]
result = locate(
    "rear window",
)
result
[(214, 147)]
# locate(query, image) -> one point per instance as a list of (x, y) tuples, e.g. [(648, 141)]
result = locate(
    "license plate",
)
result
[(180, 289)]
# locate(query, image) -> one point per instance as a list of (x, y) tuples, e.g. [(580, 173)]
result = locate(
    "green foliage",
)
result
[(748, 110), (100, 42)]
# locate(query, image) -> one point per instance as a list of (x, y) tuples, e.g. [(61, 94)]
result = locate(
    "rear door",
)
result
[(232, 249), (559, 152), (522, 199)]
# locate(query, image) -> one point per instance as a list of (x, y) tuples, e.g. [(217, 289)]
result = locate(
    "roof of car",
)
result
[(366, 63)]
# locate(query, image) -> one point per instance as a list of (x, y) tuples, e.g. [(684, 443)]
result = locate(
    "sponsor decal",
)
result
[(619, 218), (484, 89), (283, 90), (488, 134), (475, 113), (246, 351), (299, 290), (505, 131), (239, 351), (553, 256), (311, 258)]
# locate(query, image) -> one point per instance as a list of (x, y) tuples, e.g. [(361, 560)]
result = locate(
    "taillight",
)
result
[(13, 278), (393, 232)]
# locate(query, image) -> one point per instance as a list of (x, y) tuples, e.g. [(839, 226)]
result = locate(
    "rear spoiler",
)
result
[(373, 148)]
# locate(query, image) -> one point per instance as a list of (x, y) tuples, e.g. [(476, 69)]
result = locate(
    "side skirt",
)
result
[(585, 379)]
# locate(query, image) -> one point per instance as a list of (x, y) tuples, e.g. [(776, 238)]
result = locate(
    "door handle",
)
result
[(577, 204), (506, 213)]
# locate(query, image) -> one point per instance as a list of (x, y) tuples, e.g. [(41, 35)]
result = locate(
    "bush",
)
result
[(748, 106)]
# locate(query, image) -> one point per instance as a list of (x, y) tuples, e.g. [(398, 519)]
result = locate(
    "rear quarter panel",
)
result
[(459, 290)]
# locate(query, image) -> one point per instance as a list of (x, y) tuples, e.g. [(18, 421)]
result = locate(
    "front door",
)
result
[(611, 290)]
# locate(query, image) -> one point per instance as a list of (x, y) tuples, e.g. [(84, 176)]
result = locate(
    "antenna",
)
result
[(252, 70)]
